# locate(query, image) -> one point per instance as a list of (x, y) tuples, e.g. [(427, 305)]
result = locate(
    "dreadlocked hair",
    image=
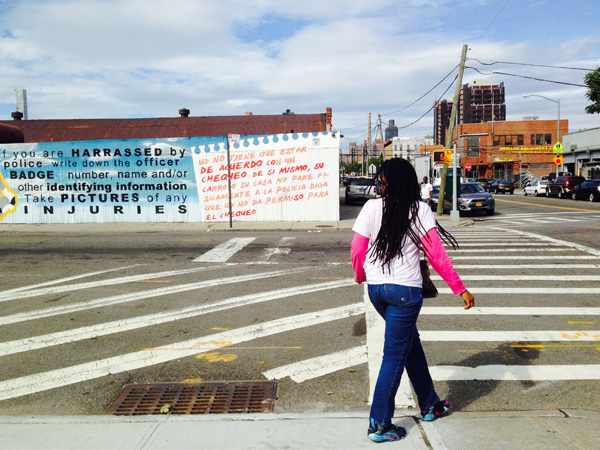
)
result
[(400, 219)]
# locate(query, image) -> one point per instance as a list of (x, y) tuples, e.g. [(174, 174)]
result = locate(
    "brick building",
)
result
[(57, 130), (508, 149)]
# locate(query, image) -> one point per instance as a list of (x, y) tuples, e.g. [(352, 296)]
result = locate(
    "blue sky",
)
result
[(149, 58)]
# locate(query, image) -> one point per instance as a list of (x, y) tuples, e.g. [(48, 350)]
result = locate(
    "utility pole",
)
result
[(368, 141), (381, 135), (461, 70)]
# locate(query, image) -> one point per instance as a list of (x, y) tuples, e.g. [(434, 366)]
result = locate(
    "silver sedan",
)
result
[(537, 187)]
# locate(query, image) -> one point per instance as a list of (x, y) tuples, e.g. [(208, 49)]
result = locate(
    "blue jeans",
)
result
[(400, 306)]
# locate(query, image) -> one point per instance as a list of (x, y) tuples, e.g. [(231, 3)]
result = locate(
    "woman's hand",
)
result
[(468, 299)]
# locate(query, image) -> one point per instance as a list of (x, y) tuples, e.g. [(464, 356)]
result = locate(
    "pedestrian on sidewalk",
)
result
[(426, 190), (398, 226)]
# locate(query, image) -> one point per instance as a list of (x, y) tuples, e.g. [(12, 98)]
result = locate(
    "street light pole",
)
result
[(557, 122)]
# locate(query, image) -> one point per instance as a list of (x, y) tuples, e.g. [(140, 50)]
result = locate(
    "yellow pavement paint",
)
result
[(226, 347), (572, 321), (597, 346), (546, 206)]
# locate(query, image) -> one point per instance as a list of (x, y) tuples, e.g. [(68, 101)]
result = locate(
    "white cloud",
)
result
[(137, 58)]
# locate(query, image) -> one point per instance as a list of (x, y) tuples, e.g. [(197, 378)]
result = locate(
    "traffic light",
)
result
[(447, 156)]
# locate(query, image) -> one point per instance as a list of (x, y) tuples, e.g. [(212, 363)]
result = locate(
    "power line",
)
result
[(422, 96), (493, 20), (408, 106), (432, 106), (532, 65), (523, 76)]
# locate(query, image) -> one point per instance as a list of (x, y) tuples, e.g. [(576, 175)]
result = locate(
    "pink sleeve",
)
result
[(440, 261), (358, 250)]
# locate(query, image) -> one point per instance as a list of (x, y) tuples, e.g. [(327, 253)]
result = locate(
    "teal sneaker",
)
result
[(378, 433), (437, 410)]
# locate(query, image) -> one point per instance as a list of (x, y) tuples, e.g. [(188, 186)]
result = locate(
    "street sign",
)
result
[(558, 160), (558, 148), (468, 167)]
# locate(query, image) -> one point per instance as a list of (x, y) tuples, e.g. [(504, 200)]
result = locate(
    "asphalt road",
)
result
[(82, 315)]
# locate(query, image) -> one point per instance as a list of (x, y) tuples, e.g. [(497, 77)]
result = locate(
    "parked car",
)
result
[(472, 198), (360, 189), (588, 190), (503, 186), (536, 187), (435, 193), (483, 182), (563, 185)]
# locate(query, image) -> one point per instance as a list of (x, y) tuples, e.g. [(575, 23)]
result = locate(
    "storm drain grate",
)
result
[(195, 398)]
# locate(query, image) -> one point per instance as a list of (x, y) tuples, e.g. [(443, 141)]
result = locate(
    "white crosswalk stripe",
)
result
[(511, 271), (541, 219), (520, 260)]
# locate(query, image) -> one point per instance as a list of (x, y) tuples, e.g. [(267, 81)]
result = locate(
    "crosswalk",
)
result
[(536, 284), (512, 273), (541, 219)]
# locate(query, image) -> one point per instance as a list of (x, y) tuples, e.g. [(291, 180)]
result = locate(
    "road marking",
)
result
[(511, 311), (119, 326), (64, 280), (507, 250), (224, 251), (536, 220), (560, 219), (101, 302), (509, 244), (66, 376), (555, 346), (279, 250), (546, 206), (525, 277), (516, 373), (509, 336), (29, 291), (528, 266), (511, 258), (527, 290), (321, 365), (541, 237)]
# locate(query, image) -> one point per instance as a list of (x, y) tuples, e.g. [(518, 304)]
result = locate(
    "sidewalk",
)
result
[(514, 430), (347, 224)]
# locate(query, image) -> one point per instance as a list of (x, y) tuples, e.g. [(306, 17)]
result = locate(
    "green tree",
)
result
[(592, 80)]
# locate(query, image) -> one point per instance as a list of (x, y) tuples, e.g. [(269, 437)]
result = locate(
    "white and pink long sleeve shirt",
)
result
[(404, 271)]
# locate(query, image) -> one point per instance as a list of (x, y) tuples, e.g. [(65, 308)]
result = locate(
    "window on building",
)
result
[(548, 139), (539, 139), (472, 146), (509, 141), (534, 166), (532, 142)]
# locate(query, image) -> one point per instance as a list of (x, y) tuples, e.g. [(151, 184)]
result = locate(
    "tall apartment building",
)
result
[(391, 131), (480, 101)]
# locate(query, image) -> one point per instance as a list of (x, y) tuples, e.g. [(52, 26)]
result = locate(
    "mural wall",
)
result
[(284, 177)]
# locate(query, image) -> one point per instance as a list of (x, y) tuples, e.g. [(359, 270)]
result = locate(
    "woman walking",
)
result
[(398, 226)]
